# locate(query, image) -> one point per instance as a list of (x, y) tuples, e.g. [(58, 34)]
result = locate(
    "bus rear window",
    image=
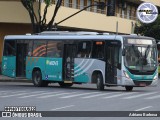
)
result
[(9, 48)]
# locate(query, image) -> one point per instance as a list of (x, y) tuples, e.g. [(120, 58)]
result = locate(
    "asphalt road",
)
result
[(80, 98)]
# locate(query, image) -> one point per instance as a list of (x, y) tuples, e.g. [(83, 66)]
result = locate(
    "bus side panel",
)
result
[(35, 62), (84, 69), (9, 66), (80, 74), (54, 69)]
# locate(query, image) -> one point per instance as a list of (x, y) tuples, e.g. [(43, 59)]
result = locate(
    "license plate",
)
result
[(142, 84)]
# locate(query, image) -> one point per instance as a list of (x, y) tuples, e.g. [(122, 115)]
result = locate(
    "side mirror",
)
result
[(124, 52)]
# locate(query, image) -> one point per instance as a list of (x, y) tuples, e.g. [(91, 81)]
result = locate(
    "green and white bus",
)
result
[(71, 58)]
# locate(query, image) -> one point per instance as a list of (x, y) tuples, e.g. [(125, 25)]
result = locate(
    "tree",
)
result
[(150, 30), (39, 21)]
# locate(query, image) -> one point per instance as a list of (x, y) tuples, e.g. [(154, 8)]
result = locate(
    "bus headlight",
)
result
[(155, 77), (126, 75)]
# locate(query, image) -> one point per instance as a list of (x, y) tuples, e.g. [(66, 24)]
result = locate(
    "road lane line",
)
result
[(14, 91), (18, 94), (144, 108), (118, 95), (153, 97), (70, 96), (39, 94), (4, 91), (62, 107), (97, 95), (140, 95), (47, 96)]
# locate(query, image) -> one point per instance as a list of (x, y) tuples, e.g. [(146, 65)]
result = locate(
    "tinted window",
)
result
[(54, 49), (84, 49), (29, 47), (98, 49), (9, 48), (114, 56), (39, 48)]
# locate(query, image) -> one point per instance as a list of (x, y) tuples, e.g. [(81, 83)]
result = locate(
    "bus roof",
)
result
[(72, 37)]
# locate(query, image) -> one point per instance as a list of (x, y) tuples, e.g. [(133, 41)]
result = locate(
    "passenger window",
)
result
[(29, 47), (98, 49), (84, 49), (9, 48), (39, 48), (54, 49)]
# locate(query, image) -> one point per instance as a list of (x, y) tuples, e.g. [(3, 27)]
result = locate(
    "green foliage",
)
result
[(47, 2), (150, 30)]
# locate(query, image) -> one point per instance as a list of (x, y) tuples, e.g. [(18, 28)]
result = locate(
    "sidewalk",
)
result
[(9, 79)]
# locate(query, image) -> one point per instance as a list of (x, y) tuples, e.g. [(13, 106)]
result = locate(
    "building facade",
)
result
[(15, 19)]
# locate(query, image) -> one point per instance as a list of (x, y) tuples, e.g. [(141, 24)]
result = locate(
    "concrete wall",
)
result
[(155, 2), (13, 12), (90, 20)]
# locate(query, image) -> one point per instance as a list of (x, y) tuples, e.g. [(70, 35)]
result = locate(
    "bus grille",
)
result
[(139, 83)]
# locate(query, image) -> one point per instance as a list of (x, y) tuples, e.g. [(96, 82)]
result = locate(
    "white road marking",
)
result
[(143, 108), (118, 95), (4, 91), (39, 94), (47, 96), (11, 92), (19, 94), (14, 91), (140, 95), (70, 96), (62, 107), (153, 97), (91, 96)]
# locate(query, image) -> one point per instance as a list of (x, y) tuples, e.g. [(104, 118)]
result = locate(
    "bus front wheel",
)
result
[(100, 85), (129, 88), (37, 79)]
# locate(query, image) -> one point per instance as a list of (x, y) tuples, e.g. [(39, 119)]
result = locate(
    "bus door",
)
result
[(68, 62), (112, 61), (21, 59)]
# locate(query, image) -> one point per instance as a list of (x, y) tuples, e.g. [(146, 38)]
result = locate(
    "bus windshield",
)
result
[(140, 57)]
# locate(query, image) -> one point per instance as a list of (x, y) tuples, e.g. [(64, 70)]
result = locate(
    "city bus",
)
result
[(158, 48), (71, 58)]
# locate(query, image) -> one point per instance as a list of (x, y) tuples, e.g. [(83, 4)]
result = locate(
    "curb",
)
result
[(13, 80), (9, 79)]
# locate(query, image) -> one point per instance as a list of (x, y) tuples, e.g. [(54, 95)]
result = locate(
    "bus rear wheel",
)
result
[(62, 84), (129, 88), (37, 79), (100, 85)]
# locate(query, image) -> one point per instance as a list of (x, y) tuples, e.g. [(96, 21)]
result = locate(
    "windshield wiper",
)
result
[(135, 51), (141, 59), (147, 51)]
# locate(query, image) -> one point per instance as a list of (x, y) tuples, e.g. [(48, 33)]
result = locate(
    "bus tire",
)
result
[(100, 85), (37, 79), (62, 84), (129, 88)]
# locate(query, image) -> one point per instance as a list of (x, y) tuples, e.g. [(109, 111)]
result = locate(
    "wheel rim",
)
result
[(98, 82), (37, 78)]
